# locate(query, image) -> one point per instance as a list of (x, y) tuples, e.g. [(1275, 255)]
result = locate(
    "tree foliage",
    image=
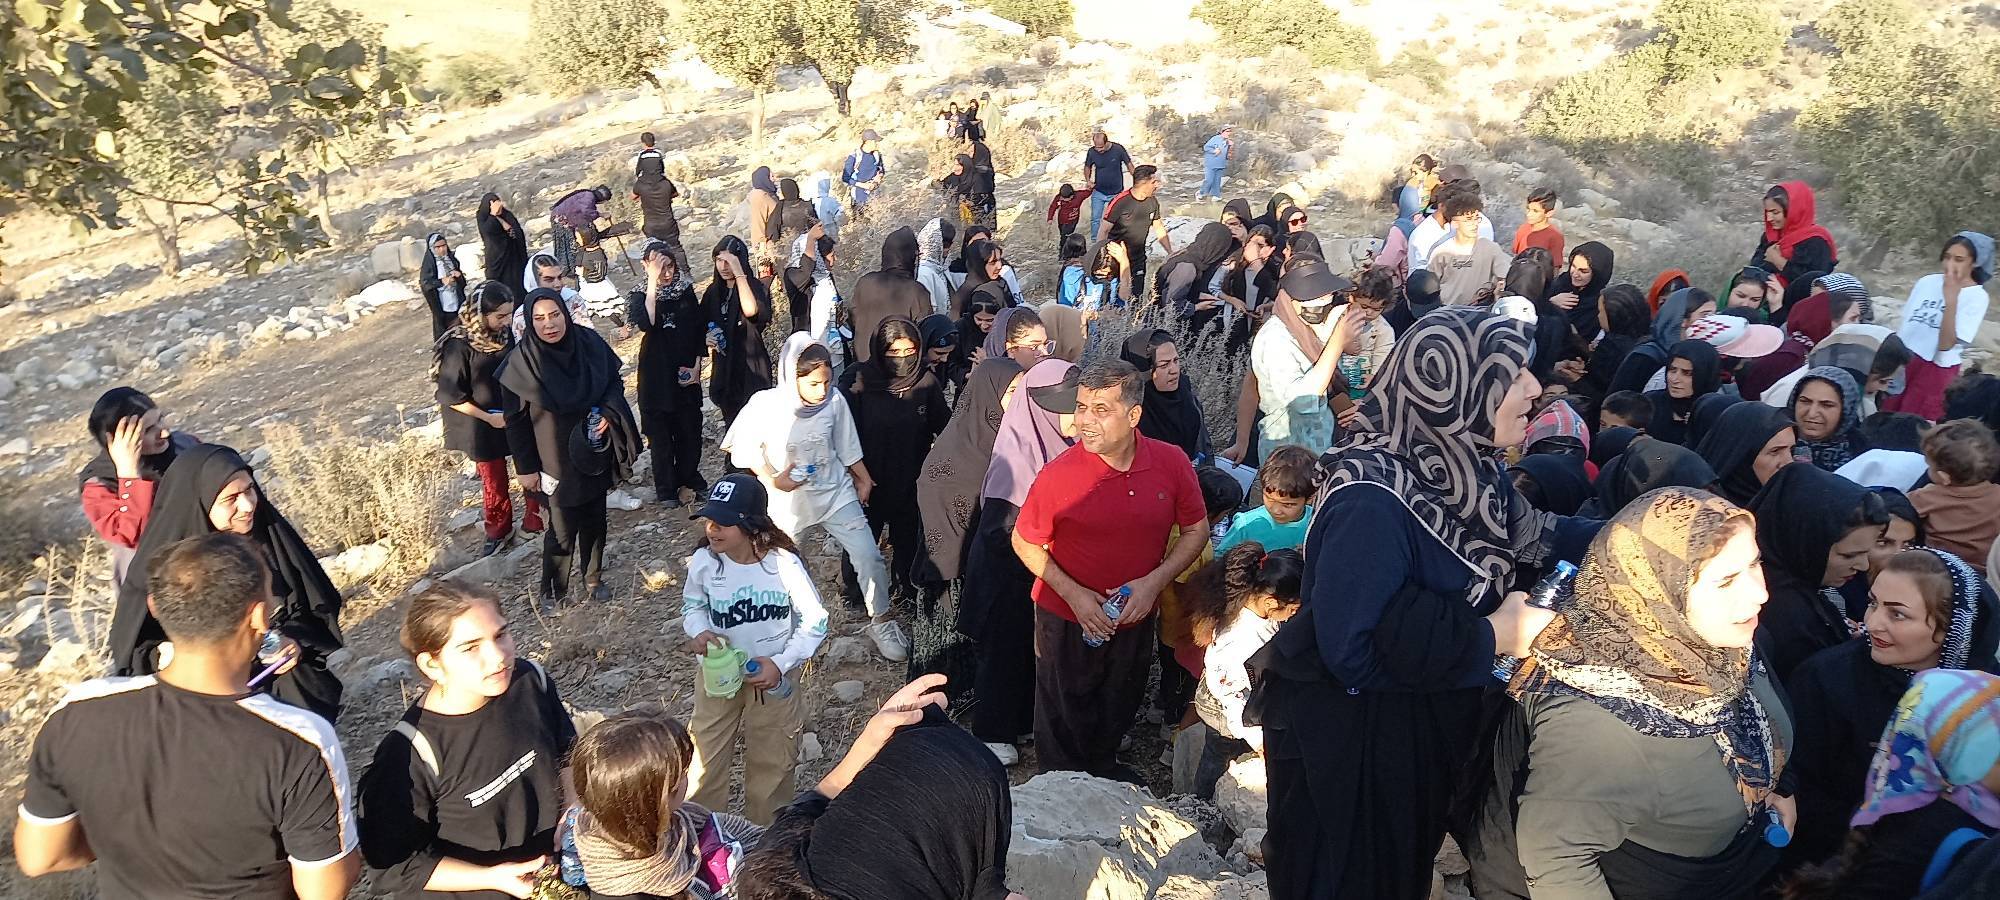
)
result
[(70, 71), (1703, 36), (588, 44), (174, 154), (1909, 126), (1042, 18), (1308, 26), (838, 37)]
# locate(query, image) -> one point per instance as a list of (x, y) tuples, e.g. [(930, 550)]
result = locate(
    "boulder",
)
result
[(413, 253), (1646, 232), (1077, 837), (383, 293), (1242, 796), (1184, 887), (489, 569), (355, 564), (1598, 203), (386, 260)]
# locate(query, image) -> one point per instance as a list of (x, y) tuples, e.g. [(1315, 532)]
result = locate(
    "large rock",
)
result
[(355, 564), (1184, 887), (386, 260), (1082, 838), (489, 569), (1242, 796), (1598, 203), (413, 252), (382, 293)]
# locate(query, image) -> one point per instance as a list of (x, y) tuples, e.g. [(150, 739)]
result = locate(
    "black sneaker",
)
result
[(493, 546), (549, 603), (600, 593)]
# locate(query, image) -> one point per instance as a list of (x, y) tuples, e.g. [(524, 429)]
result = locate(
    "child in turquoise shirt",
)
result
[(1281, 522)]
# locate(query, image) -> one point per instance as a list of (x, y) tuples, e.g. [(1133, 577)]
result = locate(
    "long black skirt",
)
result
[(1362, 786)]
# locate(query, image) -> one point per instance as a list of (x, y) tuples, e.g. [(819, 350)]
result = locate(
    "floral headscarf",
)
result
[(1624, 642), (1943, 741), (1559, 420)]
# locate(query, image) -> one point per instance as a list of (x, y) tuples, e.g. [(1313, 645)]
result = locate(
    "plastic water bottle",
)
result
[(568, 862), (784, 688), (1546, 594), (1774, 831), (803, 474), (1113, 608), (593, 422), (720, 338)]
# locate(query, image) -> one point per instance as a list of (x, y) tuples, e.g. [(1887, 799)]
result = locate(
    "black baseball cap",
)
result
[(733, 497), (1312, 280)]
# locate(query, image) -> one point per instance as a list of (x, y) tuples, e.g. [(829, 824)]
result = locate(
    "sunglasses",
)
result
[(1301, 220), (1046, 347)]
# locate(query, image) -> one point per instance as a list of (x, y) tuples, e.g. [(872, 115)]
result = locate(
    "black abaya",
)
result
[(506, 245), (742, 366), (1801, 513), (672, 342), (308, 603)]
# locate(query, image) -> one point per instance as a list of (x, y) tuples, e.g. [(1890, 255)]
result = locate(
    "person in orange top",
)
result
[(1540, 228)]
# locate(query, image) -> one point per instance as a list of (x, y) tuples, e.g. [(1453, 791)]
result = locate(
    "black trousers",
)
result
[(1005, 680), (441, 322), (573, 531), (675, 439), (1085, 696), (1176, 687)]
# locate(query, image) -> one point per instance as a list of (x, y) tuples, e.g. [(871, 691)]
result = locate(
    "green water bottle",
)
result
[(722, 670)]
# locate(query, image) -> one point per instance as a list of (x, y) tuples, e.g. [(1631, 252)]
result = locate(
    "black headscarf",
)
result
[(1207, 252), (1801, 513), (1647, 465), (1707, 411), (991, 297), (938, 330), (1305, 243), (1241, 208), (1846, 442), (1171, 416), (1561, 487), (505, 245), (929, 818), (309, 605), (1732, 445), (879, 373), (948, 490), (1270, 217), (965, 243), (569, 376), (1672, 415), (743, 367), (113, 406), (976, 258), (1630, 322), (1583, 317), (1610, 444)]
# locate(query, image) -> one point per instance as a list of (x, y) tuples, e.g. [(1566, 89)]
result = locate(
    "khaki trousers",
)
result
[(770, 729)]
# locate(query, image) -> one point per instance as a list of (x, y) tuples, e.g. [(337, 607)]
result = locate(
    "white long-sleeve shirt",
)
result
[(1224, 679), (767, 608), (1294, 413)]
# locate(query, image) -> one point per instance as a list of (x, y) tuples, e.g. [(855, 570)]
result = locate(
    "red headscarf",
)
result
[(1800, 211)]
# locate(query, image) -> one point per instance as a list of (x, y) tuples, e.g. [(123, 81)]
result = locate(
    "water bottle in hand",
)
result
[(1546, 594), (1113, 608), (591, 424), (784, 686), (1775, 833)]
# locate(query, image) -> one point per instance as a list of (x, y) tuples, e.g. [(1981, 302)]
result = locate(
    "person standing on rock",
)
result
[(506, 245), (673, 327), (1105, 166), (473, 406), (178, 783), (134, 450), (656, 195), (573, 438), (1215, 157), (443, 282), (209, 489), (864, 170), (1130, 217), (1092, 531)]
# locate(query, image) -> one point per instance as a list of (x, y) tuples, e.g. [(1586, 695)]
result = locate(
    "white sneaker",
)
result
[(889, 640), (1006, 753)]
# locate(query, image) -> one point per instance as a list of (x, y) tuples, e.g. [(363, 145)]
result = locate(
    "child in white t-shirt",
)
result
[(799, 439), (747, 588)]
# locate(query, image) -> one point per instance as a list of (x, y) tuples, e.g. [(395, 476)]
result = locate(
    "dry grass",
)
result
[(342, 493)]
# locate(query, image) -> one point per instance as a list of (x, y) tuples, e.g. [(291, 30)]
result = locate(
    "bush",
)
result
[(587, 44), (1307, 25), (1042, 18), (343, 492), (1420, 63), (1908, 127), (1703, 36), (480, 80), (1611, 104)]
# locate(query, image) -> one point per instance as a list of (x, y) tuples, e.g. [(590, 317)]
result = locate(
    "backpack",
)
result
[(421, 745)]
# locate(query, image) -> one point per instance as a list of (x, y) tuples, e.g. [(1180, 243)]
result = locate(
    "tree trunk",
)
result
[(757, 119), (840, 101), (166, 228), (323, 207)]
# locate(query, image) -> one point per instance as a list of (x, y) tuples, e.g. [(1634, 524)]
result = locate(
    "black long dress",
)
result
[(742, 367), (672, 342), (506, 244), (468, 375), (308, 603)]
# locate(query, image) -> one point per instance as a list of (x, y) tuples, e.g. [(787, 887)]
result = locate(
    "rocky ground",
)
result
[(332, 349)]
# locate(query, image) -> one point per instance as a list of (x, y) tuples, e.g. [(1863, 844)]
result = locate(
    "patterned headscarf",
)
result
[(1559, 420), (1426, 435), (930, 242), (1625, 644), (1841, 447), (1966, 608), (1943, 741)]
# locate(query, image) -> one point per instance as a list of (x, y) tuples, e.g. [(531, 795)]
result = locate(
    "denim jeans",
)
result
[(1098, 200), (1211, 183)]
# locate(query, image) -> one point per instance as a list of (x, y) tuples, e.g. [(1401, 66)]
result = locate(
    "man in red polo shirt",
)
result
[(1099, 517)]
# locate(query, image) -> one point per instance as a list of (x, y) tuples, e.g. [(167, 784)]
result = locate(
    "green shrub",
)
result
[(1607, 105), (1703, 36), (1419, 62), (1909, 126), (588, 44), (1041, 17), (1308, 26), (480, 80)]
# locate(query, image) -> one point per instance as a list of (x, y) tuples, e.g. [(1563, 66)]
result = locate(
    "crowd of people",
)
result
[(1636, 592)]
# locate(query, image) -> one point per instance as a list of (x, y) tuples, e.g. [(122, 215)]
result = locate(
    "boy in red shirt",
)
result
[(1540, 228), (1066, 208)]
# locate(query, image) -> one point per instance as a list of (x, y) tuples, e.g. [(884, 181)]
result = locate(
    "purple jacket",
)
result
[(575, 209)]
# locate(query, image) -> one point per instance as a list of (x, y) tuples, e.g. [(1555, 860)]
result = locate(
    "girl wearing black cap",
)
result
[(748, 589), (579, 437)]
